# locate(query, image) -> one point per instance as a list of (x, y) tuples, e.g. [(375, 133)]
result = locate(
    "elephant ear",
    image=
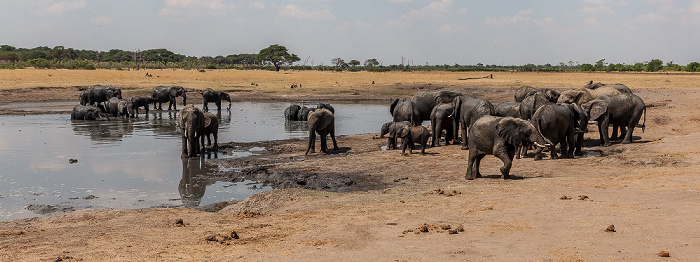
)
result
[(392, 106), (597, 109), (173, 92), (405, 131), (513, 130), (207, 120)]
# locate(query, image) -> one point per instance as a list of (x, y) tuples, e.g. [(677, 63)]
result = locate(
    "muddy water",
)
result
[(135, 163)]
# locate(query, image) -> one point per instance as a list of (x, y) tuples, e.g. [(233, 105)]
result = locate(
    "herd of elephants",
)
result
[(539, 118)]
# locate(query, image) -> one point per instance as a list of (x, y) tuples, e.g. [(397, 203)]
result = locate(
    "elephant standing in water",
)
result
[(87, 113), (138, 101), (209, 95), (162, 94), (499, 136), (98, 94), (560, 124), (191, 122), (321, 121), (405, 110), (292, 112), (211, 127), (623, 110)]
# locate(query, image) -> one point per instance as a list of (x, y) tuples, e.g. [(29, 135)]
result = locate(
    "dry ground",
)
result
[(555, 210)]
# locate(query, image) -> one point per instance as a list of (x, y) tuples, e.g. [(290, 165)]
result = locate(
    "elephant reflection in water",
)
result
[(195, 179), (103, 131)]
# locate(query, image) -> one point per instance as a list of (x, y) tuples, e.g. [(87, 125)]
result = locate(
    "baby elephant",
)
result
[(414, 134), (391, 130), (211, 127), (321, 121)]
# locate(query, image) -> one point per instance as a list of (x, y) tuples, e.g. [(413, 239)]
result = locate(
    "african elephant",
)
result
[(303, 114), (414, 134), (326, 106), (499, 136), (624, 110), (112, 106), (321, 121), (194, 180), (426, 100), (620, 87), (292, 112), (442, 118), (211, 127), (582, 95), (393, 129), (508, 108), (191, 122), (560, 124), (87, 112), (405, 110), (209, 95), (98, 94), (531, 103), (524, 91), (125, 108), (138, 101), (162, 94), (84, 97), (467, 110)]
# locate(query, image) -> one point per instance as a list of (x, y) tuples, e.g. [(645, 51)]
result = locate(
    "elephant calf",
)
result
[(623, 110), (414, 134), (138, 101), (87, 113), (209, 95), (321, 121), (560, 123), (392, 129), (442, 118), (211, 127)]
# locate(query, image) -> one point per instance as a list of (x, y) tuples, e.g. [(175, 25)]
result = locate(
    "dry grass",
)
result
[(325, 82)]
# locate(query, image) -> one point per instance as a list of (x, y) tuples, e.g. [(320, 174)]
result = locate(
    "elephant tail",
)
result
[(644, 124), (539, 130)]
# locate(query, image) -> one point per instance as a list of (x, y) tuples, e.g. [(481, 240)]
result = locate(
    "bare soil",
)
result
[(361, 203)]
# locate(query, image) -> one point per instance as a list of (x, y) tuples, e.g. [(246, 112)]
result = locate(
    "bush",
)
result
[(692, 67)]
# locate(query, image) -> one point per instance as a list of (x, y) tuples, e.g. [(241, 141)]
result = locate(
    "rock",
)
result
[(179, 223), (663, 253), (564, 197), (582, 197), (610, 228)]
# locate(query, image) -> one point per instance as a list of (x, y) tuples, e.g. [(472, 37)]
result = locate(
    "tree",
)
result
[(654, 65), (693, 67), (162, 55), (371, 62), (339, 62), (354, 63), (277, 55)]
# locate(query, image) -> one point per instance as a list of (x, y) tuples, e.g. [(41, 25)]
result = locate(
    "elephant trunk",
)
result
[(184, 98)]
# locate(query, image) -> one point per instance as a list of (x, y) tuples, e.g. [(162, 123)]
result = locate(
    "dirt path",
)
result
[(365, 204)]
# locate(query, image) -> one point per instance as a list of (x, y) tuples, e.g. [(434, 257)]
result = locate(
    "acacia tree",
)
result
[(371, 62), (354, 63), (277, 55)]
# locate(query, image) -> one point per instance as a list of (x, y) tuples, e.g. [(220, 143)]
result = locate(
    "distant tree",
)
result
[(371, 62), (162, 55), (672, 67), (339, 62), (599, 65), (276, 55), (354, 63), (692, 67), (586, 67), (654, 65), (7, 48), (138, 58)]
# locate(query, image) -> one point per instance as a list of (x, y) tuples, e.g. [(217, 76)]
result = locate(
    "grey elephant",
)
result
[(190, 119), (560, 124), (98, 94), (524, 91), (468, 109), (139, 101), (623, 110), (442, 118), (321, 122), (405, 110), (84, 97), (292, 112), (620, 87), (209, 95), (211, 127), (162, 94), (112, 106), (508, 108), (426, 100), (303, 113), (125, 108), (326, 106), (499, 136), (411, 135), (87, 112), (583, 95), (392, 130), (531, 103)]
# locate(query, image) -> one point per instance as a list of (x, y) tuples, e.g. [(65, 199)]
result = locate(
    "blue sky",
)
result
[(420, 31)]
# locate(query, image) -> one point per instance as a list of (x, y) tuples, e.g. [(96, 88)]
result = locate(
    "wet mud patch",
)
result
[(43, 209)]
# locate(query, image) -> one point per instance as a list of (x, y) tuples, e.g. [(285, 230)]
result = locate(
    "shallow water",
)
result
[(135, 163)]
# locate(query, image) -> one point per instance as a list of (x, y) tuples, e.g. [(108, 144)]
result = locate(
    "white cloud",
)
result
[(434, 9), (294, 11), (591, 21), (194, 8), (352, 25), (453, 28), (62, 7), (695, 6), (399, 1), (599, 9), (650, 18), (256, 5), (101, 20), (522, 17)]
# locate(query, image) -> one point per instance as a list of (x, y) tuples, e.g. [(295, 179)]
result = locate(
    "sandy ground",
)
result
[(362, 203)]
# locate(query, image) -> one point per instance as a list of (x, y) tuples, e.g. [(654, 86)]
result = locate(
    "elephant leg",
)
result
[(404, 145), (324, 146), (603, 129), (470, 165), (613, 136), (216, 139), (477, 164), (579, 144), (465, 142), (335, 143), (630, 127), (218, 105), (312, 142), (205, 106), (434, 128), (185, 153), (538, 153), (506, 157), (552, 151)]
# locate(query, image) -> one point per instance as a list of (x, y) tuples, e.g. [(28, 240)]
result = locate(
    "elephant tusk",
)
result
[(538, 145)]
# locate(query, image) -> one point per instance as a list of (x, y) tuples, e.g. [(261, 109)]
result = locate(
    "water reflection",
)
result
[(194, 180), (296, 126), (103, 131)]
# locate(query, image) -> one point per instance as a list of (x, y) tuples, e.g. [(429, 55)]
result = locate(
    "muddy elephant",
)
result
[(211, 127), (139, 101), (411, 135), (623, 110), (84, 97), (499, 136), (209, 95), (508, 108), (321, 122), (583, 95), (87, 112), (392, 130), (303, 113), (468, 109), (560, 124), (98, 94), (531, 103), (112, 106), (405, 110), (442, 118), (426, 100), (620, 87), (524, 91), (191, 121), (292, 112), (326, 106), (162, 94), (125, 108)]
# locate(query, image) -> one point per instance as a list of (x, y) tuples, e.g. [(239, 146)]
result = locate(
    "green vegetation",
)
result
[(276, 57)]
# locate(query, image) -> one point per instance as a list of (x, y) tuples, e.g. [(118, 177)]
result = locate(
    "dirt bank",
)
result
[(364, 203)]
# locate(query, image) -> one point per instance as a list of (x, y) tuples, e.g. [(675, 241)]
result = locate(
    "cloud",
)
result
[(101, 20), (434, 9), (452, 28), (62, 7), (650, 18), (294, 11), (194, 8), (256, 5), (345, 26), (522, 17), (597, 10), (591, 21), (695, 6), (399, 1)]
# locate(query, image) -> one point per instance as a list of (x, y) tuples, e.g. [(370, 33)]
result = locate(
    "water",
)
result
[(135, 163)]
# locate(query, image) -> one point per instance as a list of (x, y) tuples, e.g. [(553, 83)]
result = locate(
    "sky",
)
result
[(434, 32)]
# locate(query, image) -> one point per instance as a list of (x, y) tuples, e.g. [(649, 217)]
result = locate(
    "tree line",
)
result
[(275, 57)]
